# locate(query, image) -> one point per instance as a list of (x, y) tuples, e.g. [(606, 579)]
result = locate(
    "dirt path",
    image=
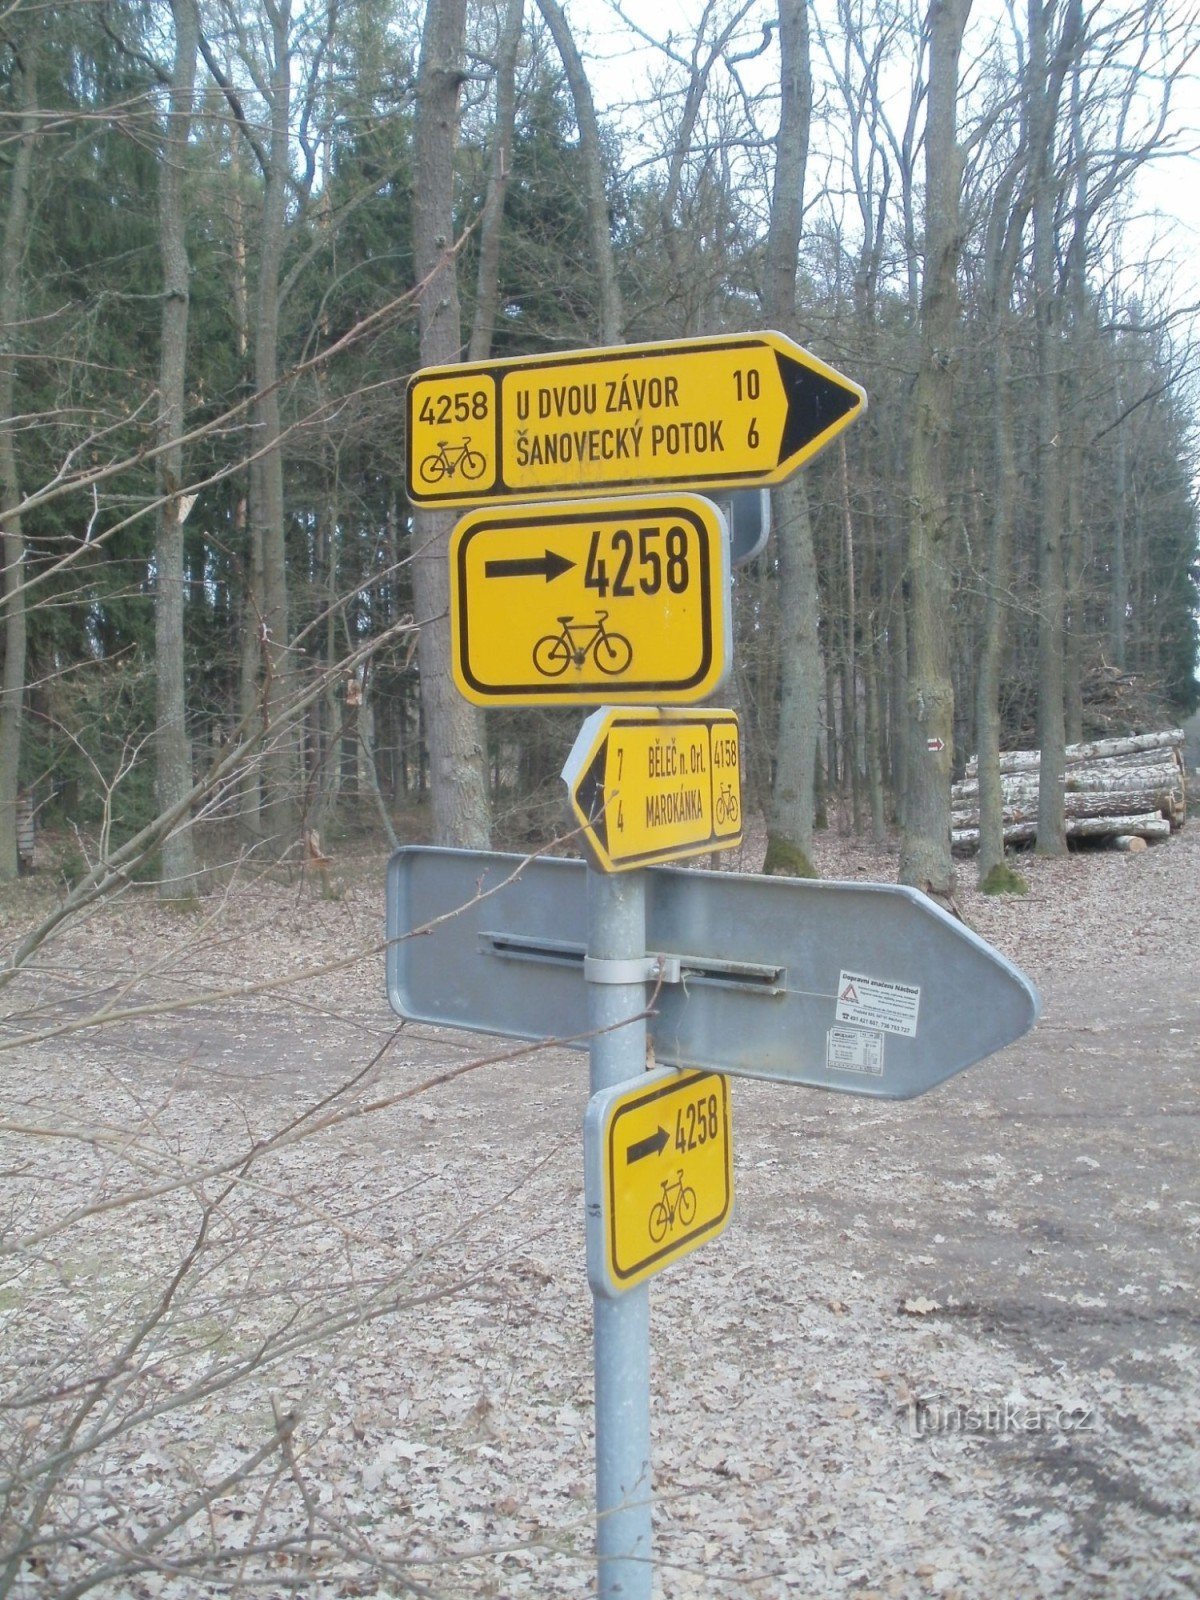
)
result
[(946, 1347)]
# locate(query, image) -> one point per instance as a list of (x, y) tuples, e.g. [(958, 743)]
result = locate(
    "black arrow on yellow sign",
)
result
[(549, 566), (815, 403), (591, 797), (653, 1145)]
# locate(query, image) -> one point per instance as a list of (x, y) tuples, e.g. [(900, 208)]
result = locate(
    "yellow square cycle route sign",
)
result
[(582, 603), (658, 1173)]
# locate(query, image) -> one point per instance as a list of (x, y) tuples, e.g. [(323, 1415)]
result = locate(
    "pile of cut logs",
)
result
[(1121, 790)]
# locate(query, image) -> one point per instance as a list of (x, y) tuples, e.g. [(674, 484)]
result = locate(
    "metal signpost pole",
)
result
[(624, 603), (616, 911)]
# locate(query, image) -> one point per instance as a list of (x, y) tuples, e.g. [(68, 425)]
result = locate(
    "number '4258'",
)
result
[(697, 1123), (439, 409), (621, 567)]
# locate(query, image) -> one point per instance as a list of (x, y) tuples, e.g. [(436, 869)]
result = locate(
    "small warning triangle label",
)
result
[(849, 994)]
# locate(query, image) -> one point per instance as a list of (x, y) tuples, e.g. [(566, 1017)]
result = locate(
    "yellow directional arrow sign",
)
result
[(655, 785), (658, 1173), (578, 604), (727, 411)]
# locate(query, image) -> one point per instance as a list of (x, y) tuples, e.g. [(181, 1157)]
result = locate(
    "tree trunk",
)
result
[(754, 669), (1151, 825), (790, 824), (1119, 610), (1077, 420), (1073, 570), (13, 538), (370, 772), (1099, 800), (852, 764), (1051, 721), (832, 771), (250, 656), (1135, 751), (247, 544), (789, 836), (898, 734), (279, 814), (987, 689), (874, 735), (612, 316), (1006, 227), (173, 760), (491, 227), (925, 860), (453, 729), (328, 709)]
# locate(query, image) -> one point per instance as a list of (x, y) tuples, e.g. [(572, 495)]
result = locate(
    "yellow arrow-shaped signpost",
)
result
[(729, 411), (655, 785)]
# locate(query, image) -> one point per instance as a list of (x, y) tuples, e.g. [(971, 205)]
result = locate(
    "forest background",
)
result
[(234, 228)]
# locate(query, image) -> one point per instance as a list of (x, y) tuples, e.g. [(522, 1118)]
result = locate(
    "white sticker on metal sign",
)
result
[(877, 1004), (854, 1050)]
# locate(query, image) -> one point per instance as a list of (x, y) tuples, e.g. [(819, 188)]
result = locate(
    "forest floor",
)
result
[(293, 1302)]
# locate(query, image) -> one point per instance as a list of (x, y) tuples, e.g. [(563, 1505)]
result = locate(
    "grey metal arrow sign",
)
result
[(869, 989)]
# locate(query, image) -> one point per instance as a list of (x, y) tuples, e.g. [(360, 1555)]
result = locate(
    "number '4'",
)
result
[(596, 576)]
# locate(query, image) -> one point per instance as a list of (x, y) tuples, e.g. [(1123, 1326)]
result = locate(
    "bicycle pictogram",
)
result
[(726, 810), (678, 1199), (448, 460), (555, 652)]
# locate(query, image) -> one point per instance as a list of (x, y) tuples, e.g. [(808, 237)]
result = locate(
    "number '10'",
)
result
[(748, 384)]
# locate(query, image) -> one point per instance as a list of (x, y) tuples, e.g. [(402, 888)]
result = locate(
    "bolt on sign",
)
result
[(658, 1174), (586, 602), (731, 411), (655, 785)]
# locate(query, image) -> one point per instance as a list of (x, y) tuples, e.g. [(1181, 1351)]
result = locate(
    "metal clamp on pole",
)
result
[(636, 969)]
